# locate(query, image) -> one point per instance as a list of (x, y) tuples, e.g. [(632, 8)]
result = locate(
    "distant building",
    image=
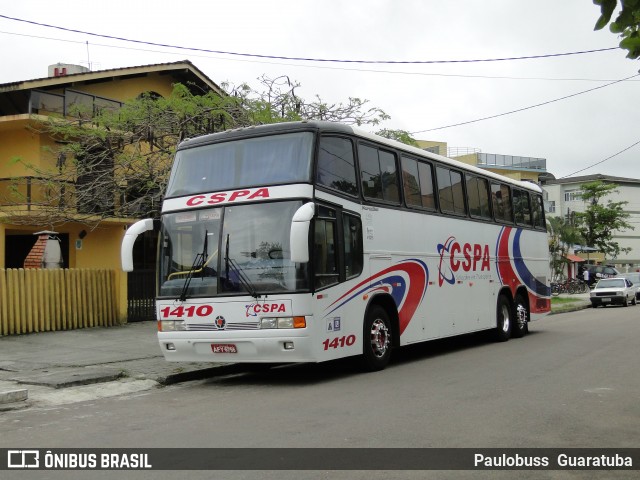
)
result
[(513, 166), (563, 197)]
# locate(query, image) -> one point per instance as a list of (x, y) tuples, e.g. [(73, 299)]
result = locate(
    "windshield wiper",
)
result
[(244, 280), (198, 264)]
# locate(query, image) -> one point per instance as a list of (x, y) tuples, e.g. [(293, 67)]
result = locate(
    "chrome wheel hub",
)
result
[(521, 316), (505, 318), (380, 338)]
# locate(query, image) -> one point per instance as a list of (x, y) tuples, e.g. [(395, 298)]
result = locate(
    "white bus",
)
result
[(311, 241)]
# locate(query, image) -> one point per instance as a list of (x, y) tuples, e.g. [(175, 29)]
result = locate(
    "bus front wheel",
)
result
[(504, 320), (376, 350)]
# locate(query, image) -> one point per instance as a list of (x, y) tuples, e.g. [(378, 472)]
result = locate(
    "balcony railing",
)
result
[(511, 161), (66, 198), (70, 104), (31, 193)]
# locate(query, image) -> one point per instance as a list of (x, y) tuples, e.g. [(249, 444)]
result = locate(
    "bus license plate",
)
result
[(223, 348)]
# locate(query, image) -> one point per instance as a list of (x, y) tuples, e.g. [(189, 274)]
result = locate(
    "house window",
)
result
[(572, 195)]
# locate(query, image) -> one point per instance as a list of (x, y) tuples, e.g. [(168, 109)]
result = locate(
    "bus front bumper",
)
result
[(192, 347)]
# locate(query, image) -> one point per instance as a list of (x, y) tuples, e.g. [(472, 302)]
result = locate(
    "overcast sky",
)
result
[(571, 134)]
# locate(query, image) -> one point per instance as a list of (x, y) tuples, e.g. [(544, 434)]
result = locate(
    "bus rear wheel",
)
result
[(520, 325), (504, 320), (376, 348)]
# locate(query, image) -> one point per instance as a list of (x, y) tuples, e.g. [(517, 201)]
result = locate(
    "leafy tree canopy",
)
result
[(626, 24), (599, 221), (399, 135)]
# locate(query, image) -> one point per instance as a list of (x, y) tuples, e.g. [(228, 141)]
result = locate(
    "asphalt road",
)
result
[(574, 381)]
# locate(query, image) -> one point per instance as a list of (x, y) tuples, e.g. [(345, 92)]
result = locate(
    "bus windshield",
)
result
[(269, 160), (227, 250)]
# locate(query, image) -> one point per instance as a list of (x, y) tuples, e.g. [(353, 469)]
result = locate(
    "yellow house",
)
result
[(25, 105)]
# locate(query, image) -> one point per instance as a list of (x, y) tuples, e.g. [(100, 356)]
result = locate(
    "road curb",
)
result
[(217, 371), (13, 396), (566, 308), (69, 377)]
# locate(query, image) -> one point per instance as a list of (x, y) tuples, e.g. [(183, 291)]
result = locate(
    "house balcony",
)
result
[(70, 103), (511, 162), (40, 198), (31, 193)]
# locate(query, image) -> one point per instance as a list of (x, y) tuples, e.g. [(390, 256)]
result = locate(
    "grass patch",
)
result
[(563, 300)]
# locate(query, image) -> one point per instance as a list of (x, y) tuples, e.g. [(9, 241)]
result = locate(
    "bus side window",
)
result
[(353, 256), (324, 248), (478, 195), (522, 207), (450, 192), (378, 174), (336, 165), (417, 181), (538, 212), (501, 201)]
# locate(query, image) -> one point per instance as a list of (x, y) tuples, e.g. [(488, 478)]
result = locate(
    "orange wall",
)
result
[(19, 142), (129, 88)]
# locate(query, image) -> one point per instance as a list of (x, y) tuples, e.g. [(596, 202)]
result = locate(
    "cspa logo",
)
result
[(468, 257), (253, 309), (228, 197)]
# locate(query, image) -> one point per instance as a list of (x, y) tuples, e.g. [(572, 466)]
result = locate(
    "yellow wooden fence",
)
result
[(39, 300)]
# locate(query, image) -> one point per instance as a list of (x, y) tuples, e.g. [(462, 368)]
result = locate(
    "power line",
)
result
[(602, 161), (323, 67), (280, 57), (524, 108), (314, 66)]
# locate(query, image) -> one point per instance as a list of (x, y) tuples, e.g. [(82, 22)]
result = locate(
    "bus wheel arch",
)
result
[(504, 316), (380, 333), (521, 314)]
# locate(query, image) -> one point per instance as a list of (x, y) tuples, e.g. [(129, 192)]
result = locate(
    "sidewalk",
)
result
[(41, 362), (111, 360)]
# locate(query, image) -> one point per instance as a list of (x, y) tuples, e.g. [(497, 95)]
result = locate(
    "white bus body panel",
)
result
[(444, 275)]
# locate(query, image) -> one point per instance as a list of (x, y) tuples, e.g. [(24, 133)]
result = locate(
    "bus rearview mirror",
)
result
[(126, 250), (299, 236)]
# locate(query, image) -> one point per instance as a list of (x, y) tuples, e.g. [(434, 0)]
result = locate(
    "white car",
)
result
[(610, 291), (634, 277)]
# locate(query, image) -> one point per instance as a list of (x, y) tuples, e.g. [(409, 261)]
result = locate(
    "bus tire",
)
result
[(520, 325), (503, 316), (376, 340)]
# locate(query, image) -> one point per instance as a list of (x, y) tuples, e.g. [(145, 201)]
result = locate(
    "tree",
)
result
[(277, 101), (399, 135), (564, 234), (116, 163), (627, 23), (598, 222)]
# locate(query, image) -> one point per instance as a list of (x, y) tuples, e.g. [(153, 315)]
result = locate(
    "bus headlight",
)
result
[(172, 326), (283, 322), (268, 323)]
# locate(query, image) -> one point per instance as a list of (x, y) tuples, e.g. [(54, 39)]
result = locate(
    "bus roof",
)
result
[(334, 127)]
